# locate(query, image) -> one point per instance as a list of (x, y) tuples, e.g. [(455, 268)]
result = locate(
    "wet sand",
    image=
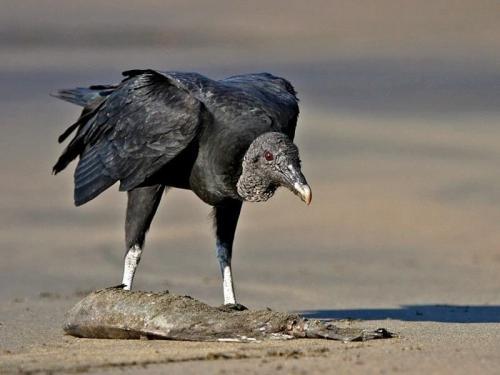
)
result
[(399, 139)]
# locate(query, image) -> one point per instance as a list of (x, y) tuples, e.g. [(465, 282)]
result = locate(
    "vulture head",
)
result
[(271, 161)]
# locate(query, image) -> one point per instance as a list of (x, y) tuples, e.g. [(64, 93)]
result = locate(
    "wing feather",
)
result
[(142, 125)]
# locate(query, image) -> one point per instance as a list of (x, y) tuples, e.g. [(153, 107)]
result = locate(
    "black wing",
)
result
[(260, 100), (135, 131), (276, 96)]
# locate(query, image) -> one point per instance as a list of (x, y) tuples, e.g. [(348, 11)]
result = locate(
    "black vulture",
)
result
[(228, 141)]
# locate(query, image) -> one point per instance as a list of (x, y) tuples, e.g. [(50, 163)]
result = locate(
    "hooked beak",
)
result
[(304, 191), (297, 183)]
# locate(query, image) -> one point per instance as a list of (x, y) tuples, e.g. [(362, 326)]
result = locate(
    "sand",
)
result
[(399, 139), (437, 340)]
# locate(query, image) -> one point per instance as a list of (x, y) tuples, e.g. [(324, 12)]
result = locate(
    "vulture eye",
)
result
[(268, 156)]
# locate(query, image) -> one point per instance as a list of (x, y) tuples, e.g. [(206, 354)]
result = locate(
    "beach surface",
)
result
[(399, 137)]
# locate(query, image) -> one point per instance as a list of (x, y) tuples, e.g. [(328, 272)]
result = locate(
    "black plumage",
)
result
[(172, 129)]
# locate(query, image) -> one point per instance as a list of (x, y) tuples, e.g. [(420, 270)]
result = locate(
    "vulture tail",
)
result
[(91, 98), (84, 96)]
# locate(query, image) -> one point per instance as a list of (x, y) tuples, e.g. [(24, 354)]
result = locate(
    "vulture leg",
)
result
[(141, 208), (226, 218)]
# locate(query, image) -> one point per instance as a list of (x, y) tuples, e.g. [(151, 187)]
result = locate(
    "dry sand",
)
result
[(399, 139)]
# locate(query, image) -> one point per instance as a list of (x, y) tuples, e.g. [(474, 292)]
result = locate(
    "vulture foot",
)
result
[(233, 307)]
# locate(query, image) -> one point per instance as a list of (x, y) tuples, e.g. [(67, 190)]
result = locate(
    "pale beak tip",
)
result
[(304, 192), (308, 201), (308, 197)]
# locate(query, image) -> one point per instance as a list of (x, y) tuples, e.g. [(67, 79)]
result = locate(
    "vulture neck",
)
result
[(253, 186)]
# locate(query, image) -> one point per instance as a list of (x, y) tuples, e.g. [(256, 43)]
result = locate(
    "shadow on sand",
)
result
[(415, 313)]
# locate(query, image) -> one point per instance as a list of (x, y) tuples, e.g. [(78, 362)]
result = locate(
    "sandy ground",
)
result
[(399, 139), (425, 346)]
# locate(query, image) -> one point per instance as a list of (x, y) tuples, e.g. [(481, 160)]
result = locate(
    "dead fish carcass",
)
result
[(114, 313)]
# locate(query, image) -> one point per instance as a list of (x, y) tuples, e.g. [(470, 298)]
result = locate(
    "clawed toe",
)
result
[(120, 286), (234, 307)]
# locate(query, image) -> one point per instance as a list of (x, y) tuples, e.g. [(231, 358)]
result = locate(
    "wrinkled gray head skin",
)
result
[(271, 161)]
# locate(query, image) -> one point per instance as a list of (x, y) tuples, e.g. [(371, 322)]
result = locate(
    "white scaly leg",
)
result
[(226, 217), (132, 259), (227, 285)]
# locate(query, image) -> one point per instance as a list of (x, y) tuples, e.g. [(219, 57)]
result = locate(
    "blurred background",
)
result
[(399, 136)]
